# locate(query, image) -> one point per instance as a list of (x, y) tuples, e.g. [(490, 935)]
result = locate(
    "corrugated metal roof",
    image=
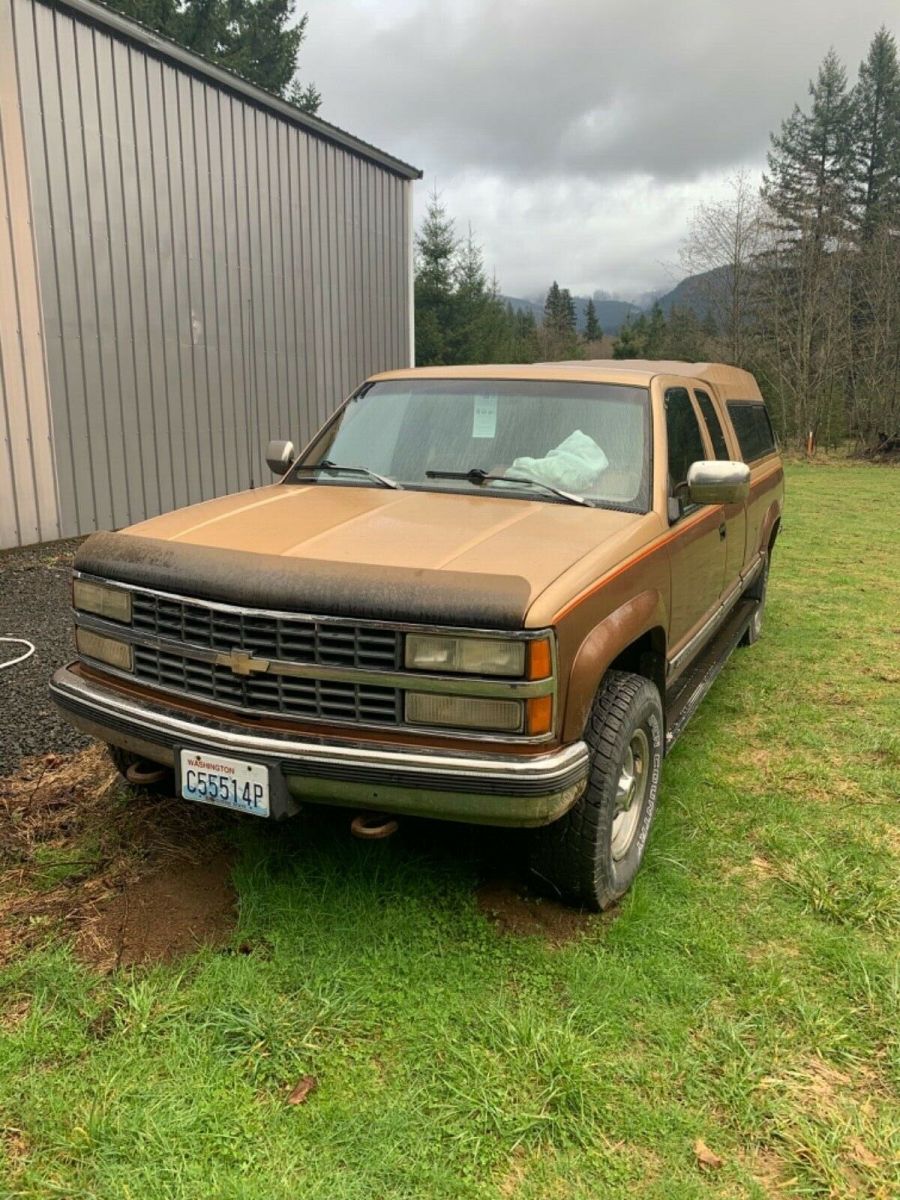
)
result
[(171, 51)]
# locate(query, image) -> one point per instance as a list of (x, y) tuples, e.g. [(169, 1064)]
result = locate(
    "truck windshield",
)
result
[(591, 440)]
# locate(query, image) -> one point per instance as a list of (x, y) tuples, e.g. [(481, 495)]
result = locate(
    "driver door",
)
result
[(698, 547)]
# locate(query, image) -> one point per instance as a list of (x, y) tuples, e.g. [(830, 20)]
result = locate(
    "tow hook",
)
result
[(370, 826)]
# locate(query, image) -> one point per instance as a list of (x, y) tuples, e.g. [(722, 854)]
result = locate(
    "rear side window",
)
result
[(753, 428), (713, 424), (683, 433)]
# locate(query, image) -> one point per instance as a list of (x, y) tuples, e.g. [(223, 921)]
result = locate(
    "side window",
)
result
[(713, 424), (753, 428), (685, 442)]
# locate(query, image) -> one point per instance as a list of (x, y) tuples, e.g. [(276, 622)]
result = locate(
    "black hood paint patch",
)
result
[(312, 586)]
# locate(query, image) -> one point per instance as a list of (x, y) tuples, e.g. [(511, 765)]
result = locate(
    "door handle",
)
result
[(723, 529)]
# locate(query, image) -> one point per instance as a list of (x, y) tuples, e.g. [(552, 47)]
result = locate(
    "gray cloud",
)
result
[(560, 130)]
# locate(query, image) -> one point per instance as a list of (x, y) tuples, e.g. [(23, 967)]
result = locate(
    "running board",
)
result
[(701, 675)]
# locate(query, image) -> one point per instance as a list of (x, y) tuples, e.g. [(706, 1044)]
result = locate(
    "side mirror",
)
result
[(718, 482), (280, 456)]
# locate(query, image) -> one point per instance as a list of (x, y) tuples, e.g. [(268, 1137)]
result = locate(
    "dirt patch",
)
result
[(161, 916), (514, 910), (15, 1013), (772, 952), (514, 1177), (15, 1148), (131, 876), (770, 1172)]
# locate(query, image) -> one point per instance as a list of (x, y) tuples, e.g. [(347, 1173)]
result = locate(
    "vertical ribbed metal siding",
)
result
[(28, 502), (212, 274)]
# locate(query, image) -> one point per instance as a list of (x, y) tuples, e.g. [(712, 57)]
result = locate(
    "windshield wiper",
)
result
[(327, 465), (477, 475)]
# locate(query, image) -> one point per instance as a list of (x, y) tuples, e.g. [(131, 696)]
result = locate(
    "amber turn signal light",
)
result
[(540, 664), (539, 715)]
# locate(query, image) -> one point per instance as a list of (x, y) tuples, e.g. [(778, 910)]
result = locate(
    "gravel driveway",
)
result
[(34, 604)]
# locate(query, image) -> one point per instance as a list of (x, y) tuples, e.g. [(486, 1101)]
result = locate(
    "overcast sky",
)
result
[(576, 137)]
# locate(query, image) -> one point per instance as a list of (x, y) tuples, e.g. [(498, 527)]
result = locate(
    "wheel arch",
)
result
[(633, 639), (645, 656)]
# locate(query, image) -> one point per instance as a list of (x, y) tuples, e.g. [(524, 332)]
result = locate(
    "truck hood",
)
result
[(402, 555)]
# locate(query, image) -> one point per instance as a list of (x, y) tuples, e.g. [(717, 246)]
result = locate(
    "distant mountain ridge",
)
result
[(691, 293), (695, 292)]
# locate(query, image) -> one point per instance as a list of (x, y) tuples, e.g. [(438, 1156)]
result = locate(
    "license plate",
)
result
[(227, 782)]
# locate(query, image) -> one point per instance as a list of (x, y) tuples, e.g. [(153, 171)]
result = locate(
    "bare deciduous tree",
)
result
[(803, 299), (724, 240)]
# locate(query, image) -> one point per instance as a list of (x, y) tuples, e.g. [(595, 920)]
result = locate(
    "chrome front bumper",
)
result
[(489, 789)]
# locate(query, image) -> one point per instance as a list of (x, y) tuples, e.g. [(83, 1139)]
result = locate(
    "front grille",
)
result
[(323, 643), (277, 638), (277, 695)]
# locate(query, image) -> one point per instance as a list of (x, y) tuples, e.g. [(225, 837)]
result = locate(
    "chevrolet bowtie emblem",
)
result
[(242, 662)]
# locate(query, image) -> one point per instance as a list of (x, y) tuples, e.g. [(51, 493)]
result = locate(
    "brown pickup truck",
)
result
[(483, 594)]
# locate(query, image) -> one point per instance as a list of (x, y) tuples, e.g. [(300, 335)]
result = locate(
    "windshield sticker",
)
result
[(484, 421)]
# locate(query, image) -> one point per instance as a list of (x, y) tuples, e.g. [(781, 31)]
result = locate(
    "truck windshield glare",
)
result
[(590, 440)]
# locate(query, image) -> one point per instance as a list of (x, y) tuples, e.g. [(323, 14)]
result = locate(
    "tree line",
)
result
[(461, 316), (797, 280)]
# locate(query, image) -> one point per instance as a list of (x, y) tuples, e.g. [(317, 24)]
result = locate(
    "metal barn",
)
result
[(188, 267)]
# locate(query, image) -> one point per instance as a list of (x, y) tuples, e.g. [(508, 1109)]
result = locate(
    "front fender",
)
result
[(605, 642)]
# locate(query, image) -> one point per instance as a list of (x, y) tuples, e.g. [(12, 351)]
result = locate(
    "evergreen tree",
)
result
[(481, 330), (305, 96), (436, 249), (643, 336), (526, 347), (253, 38), (558, 333), (657, 333), (873, 358), (632, 339), (460, 317), (807, 184), (592, 330), (569, 322), (876, 137), (553, 308), (804, 270)]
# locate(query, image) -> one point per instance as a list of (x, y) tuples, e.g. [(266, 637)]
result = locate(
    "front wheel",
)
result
[(591, 855)]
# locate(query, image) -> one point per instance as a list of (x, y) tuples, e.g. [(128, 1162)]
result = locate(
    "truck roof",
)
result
[(730, 382)]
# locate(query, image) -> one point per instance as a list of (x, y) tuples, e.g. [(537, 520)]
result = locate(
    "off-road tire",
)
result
[(123, 759), (573, 859), (757, 591)]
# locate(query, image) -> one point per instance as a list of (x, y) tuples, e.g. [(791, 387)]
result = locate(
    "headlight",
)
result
[(464, 655), (110, 602), (463, 712), (104, 649)]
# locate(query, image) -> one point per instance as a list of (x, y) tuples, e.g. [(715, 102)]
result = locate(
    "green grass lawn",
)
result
[(746, 993)]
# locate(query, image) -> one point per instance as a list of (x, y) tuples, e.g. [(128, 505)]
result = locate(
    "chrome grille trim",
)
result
[(271, 636), (273, 695)]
